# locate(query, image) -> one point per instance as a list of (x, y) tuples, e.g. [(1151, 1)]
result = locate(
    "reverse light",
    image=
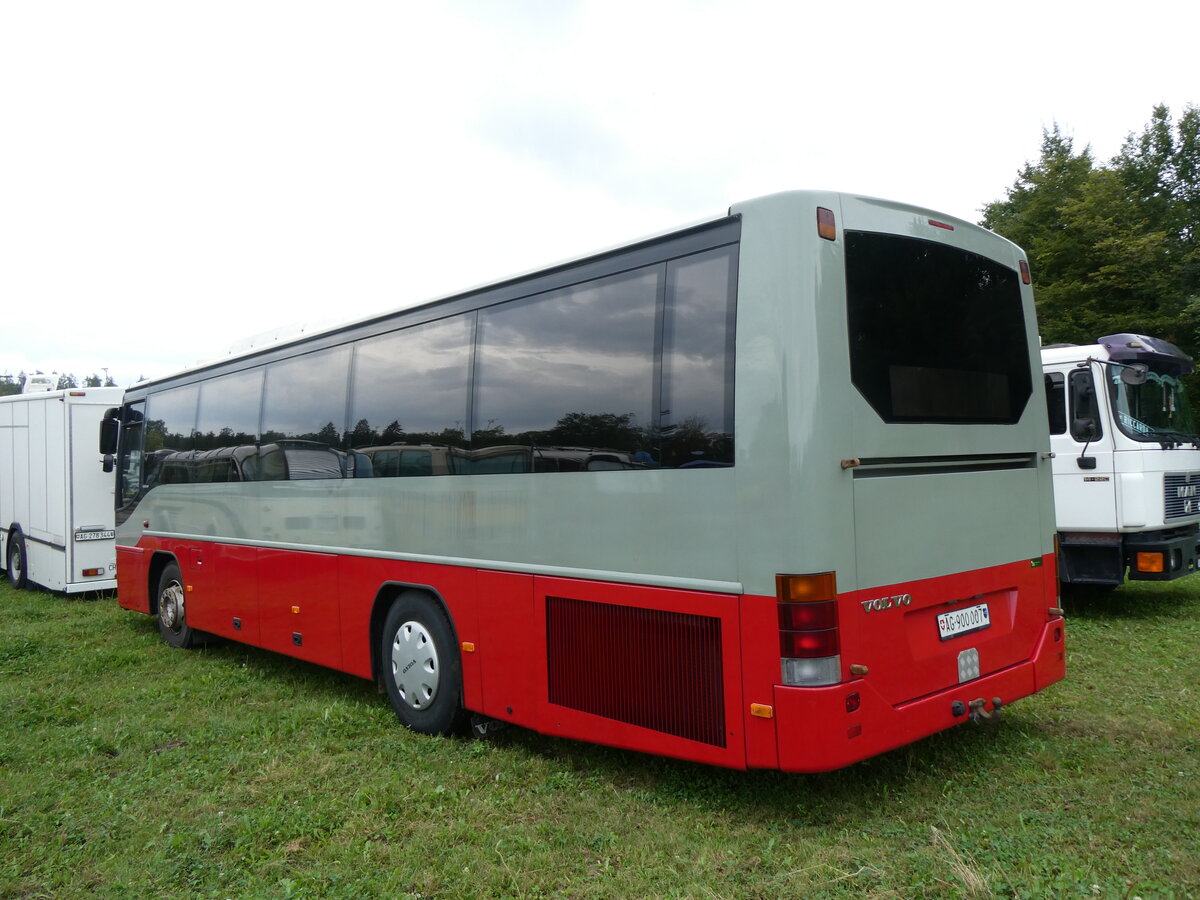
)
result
[(809, 641), (1150, 562)]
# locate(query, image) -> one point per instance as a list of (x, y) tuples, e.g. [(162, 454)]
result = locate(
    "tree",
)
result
[(1112, 248)]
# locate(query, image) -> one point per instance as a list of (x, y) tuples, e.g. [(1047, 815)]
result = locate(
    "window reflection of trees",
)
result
[(632, 370)]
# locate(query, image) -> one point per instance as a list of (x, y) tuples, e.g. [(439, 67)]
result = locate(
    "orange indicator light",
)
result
[(762, 710), (1150, 562), (826, 225)]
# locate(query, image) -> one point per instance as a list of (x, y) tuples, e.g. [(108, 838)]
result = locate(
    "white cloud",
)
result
[(176, 177)]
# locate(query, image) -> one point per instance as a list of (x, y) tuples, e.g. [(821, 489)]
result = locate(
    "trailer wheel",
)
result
[(16, 562), (420, 665), (172, 613)]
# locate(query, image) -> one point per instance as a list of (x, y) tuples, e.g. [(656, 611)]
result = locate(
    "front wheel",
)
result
[(17, 575), (172, 612), (420, 665)]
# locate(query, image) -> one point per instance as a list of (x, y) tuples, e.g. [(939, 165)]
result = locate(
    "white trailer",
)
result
[(56, 502), (1126, 460)]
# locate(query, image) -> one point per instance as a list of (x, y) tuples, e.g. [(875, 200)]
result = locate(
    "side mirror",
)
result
[(107, 465), (1086, 462), (109, 428), (1084, 430), (1135, 374)]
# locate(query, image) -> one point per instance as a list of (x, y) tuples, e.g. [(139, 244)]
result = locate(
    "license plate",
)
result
[(95, 535), (964, 621)]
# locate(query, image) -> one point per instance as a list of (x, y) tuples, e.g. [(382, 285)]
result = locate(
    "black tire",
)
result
[(420, 665), (172, 611), (17, 563)]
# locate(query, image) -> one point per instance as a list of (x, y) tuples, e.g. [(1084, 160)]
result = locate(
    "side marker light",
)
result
[(826, 225)]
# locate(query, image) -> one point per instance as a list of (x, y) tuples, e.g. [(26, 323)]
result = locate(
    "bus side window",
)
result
[(1056, 402), (1085, 411)]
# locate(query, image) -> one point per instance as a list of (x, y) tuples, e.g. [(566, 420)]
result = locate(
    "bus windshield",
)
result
[(1156, 410)]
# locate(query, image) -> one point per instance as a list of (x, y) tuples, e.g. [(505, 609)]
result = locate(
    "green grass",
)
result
[(131, 770)]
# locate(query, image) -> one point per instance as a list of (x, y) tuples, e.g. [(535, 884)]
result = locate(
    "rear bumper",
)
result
[(819, 729)]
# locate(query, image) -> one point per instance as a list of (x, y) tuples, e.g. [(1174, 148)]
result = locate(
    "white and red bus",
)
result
[(771, 490)]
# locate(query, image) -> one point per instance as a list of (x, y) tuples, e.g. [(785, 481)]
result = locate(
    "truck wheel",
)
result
[(421, 669), (16, 562), (172, 614)]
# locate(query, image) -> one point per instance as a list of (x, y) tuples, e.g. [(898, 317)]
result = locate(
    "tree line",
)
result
[(12, 384), (1113, 247)]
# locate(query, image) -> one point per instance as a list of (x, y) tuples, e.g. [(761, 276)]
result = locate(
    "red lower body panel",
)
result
[(875, 725), (686, 674)]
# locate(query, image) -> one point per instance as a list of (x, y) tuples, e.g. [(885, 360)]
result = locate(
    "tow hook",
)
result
[(980, 714)]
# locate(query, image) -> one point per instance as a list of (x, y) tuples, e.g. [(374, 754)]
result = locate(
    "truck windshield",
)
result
[(1158, 410)]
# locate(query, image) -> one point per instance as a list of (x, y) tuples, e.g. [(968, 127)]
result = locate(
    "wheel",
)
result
[(16, 564), (420, 665), (172, 614)]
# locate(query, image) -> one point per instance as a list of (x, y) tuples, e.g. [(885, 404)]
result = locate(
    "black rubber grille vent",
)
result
[(647, 667)]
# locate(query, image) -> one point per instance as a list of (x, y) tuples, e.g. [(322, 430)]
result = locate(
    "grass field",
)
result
[(131, 770)]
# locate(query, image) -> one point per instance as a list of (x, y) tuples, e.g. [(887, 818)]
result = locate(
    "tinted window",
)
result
[(410, 387), (937, 334), (129, 460), (171, 419), (697, 360), (573, 367), (306, 398), (1056, 402), (229, 409)]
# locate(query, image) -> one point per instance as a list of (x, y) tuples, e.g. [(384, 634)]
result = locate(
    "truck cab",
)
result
[(1126, 460)]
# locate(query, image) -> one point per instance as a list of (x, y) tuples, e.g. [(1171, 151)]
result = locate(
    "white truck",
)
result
[(56, 502), (1126, 460)]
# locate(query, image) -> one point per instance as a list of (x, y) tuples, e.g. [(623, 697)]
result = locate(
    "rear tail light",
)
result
[(809, 643), (1025, 276)]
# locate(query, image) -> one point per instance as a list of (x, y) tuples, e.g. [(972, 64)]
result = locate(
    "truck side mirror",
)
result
[(1084, 430), (1135, 374), (109, 428)]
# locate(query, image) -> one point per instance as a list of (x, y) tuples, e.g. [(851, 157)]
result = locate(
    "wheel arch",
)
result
[(388, 593), (159, 561)]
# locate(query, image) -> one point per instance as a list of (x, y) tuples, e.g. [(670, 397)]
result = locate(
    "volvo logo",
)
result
[(886, 602)]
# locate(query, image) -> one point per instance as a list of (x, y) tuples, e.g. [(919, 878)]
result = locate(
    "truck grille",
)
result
[(1181, 495)]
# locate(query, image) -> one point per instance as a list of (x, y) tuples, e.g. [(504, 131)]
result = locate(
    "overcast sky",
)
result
[(178, 177)]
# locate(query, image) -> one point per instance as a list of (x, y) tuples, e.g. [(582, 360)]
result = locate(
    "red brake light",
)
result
[(807, 616), (808, 644)]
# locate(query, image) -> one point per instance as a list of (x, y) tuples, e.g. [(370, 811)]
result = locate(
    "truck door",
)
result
[(91, 542)]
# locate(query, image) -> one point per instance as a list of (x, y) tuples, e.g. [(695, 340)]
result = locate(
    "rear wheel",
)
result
[(172, 612), (421, 669), (15, 564)]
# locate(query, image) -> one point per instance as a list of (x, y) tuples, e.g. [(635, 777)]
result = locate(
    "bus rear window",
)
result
[(937, 333)]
